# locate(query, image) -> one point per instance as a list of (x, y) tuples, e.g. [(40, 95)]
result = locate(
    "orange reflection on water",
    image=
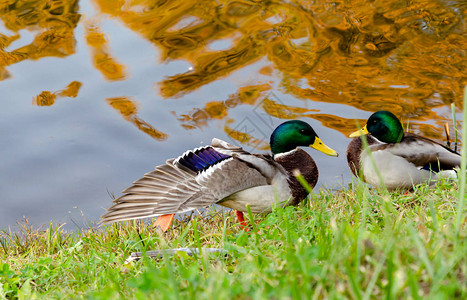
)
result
[(71, 90), (282, 111), (103, 61), (53, 23), (209, 67), (246, 138), (405, 57), (220, 109), (128, 109), (47, 98)]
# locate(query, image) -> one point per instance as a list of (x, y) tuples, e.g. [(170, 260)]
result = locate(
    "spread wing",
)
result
[(197, 178)]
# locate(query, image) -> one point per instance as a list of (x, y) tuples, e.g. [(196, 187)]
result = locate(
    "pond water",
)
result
[(94, 94)]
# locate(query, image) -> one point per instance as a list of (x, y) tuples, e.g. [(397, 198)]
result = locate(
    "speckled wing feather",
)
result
[(197, 178)]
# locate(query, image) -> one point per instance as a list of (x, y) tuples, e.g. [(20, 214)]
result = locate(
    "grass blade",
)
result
[(460, 202)]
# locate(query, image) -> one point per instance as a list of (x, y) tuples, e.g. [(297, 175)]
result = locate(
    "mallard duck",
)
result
[(226, 175), (403, 159)]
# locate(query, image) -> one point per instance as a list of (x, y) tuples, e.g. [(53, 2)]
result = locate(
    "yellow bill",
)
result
[(320, 146), (360, 132)]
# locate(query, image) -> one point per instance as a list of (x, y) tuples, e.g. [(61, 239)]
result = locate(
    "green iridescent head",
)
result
[(292, 134), (384, 126)]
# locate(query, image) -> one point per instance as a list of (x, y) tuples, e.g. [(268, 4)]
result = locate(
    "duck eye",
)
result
[(303, 131)]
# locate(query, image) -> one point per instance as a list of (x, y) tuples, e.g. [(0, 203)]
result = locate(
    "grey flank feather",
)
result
[(422, 151)]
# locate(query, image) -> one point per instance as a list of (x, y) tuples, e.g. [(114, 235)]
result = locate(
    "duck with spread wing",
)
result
[(226, 175)]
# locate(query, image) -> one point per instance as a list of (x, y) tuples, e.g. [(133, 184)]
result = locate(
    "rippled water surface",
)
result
[(94, 94)]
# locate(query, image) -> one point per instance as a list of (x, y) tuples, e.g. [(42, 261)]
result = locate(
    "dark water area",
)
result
[(94, 94)]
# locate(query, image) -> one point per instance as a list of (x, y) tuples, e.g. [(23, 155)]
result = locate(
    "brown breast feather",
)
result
[(354, 151), (302, 161)]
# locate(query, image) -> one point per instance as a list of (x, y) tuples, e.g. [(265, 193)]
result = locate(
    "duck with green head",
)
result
[(226, 175), (402, 159)]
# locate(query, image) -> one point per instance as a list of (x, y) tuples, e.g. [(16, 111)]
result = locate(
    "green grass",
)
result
[(355, 243)]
